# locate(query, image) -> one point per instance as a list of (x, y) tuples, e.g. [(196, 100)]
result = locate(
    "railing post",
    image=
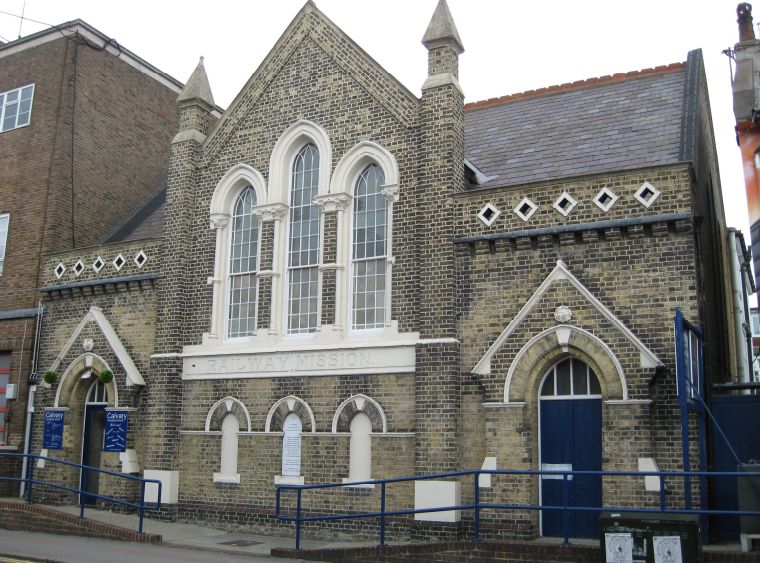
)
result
[(477, 506), (81, 492), (142, 507), (298, 521), (564, 512), (662, 493), (382, 516), (30, 476)]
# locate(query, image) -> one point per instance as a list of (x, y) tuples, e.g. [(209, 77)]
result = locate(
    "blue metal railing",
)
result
[(477, 506), (30, 481)]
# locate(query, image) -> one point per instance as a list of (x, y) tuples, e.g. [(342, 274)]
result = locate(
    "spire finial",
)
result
[(197, 87), (442, 30)]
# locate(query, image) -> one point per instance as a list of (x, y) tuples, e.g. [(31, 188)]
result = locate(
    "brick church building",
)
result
[(348, 281)]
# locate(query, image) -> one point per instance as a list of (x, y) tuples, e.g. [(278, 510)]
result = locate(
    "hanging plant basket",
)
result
[(106, 376), (50, 377)]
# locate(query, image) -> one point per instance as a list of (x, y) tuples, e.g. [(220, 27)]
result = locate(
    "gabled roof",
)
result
[(311, 24), (560, 272), (624, 121), (90, 33)]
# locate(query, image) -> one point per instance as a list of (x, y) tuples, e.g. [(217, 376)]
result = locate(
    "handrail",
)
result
[(477, 505), (29, 480)]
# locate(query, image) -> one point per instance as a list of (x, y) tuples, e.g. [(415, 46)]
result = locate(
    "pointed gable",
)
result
[(96, 315), (647, 357), (312, 25)]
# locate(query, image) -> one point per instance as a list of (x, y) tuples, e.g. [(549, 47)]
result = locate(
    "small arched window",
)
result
[(244, 245), (228, 465), (97, 394), (570, 377), (303, 243), (369, 250), (360, 454)]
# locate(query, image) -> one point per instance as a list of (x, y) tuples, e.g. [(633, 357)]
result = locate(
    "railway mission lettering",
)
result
[(291, 362), (275, 363)]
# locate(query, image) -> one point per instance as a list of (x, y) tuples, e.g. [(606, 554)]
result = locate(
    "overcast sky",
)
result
[(509, 46)]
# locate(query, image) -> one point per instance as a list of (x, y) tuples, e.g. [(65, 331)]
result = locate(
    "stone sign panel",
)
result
[(291, 446), (343, 361)]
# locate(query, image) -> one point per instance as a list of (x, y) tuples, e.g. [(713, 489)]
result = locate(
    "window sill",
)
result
[(223, 478), (288, 480)]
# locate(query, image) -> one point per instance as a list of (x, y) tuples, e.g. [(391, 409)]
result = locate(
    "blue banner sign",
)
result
[(116, 431), (53, 436)]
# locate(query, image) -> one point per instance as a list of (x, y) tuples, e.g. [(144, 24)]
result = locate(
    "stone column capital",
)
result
[(390, 193), (328, 203), (219, 220), (270, 212)]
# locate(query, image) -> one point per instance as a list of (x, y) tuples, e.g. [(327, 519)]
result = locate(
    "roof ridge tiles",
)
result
[(577, 85)]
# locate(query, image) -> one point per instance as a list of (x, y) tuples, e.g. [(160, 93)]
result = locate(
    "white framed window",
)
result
[(3, 238), (369, 250), (570, 376), (242, 288), (303, 243), (236, 265), (5, 373), (16, 107)]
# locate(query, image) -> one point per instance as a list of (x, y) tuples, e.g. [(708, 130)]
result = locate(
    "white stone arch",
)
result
[(347, 171), (288, 405), (223, 407), (233, 181), (563, 333), (237, 179), (362, 403), (285, 149), (357, 159), (68, 385)]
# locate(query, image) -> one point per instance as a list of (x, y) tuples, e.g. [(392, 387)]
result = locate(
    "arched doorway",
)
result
[(570, 415), (93, 437)]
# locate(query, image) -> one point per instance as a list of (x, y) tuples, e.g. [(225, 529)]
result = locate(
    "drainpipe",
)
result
[(737, 273)]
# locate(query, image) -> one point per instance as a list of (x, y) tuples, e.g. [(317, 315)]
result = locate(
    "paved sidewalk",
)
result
[(199, 537)]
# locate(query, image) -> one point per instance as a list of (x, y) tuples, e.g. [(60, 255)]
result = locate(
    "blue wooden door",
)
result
[(92, 447), (571, 437)]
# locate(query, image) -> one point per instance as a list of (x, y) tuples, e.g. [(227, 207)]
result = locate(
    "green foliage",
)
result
[(106, 376), (50, 377)]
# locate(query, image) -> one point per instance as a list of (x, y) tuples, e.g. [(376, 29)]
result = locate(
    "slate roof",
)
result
[(147, 221), (595, 126)]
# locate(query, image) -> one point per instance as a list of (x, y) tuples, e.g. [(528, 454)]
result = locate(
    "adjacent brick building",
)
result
[(347, 281), (85, 133)]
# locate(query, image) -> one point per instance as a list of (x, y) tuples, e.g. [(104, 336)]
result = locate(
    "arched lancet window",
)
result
[(228, 465), (369, 250), (303, 243), (570, 377), (360, 453), (244, 244), (97, 393)]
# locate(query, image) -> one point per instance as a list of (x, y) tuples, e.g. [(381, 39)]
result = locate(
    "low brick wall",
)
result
[(19, 516), (480, 552), (10, 466)]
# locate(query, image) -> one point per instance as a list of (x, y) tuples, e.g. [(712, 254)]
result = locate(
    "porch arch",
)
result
[(69, 386), (547, 348)]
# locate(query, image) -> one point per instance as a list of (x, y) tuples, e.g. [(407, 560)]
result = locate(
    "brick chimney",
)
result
[(746, 30)]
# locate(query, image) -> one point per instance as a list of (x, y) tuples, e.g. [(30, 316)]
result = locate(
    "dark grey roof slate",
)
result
[(147, 221), (152, 227), (628, 124)]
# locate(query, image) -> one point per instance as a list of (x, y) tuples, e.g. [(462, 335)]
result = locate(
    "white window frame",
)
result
[(4, 107), (4, 238), (293, 139), (350, 166), (229, 188), (242, 188), (290, 270), (354, 262)]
